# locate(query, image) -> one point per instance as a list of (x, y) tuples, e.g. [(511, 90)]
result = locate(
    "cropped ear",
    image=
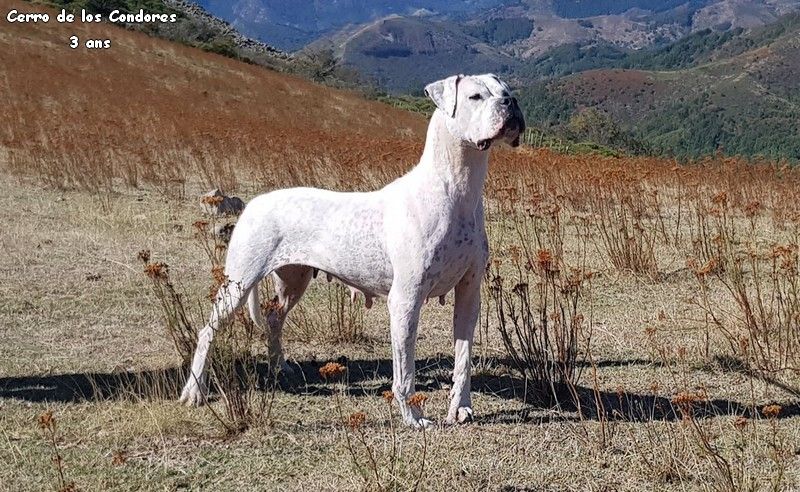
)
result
[(443, 93)]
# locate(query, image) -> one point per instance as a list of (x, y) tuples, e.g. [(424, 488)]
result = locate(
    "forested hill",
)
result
[(703, 46), (735, 92), (593, 8)]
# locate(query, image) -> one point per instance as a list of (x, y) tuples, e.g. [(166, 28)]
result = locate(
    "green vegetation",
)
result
[(572, 58), (596, 127), (699, 47), (221, 46), (538, 137), (689, 51), (415, 104), (762, 36), (715, 104), (701, 126), (501, 31), (588, 8), (556, 123), (543, 106), (685, 129)]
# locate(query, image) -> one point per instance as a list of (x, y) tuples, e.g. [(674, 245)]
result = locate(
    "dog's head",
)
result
[(479, 109)]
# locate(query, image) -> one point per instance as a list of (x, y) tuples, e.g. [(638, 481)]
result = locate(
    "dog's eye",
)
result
[(476, 97)]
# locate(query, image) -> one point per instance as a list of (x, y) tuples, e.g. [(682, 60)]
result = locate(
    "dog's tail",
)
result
[(254, 307)]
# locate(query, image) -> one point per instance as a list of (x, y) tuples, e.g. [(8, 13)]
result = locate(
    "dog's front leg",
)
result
[(404, 309), (465, 316)]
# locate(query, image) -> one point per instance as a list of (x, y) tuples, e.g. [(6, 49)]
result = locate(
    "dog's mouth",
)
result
[(513, 129), (510, 132)]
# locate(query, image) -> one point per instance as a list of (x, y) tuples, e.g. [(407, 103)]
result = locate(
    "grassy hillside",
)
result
[(193, 27), (200, 114)]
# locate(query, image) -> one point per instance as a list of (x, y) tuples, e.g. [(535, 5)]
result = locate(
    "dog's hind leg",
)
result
[(229, 298), (290, 282)]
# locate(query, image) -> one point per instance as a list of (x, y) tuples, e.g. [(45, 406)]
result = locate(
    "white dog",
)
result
[(419, 237)]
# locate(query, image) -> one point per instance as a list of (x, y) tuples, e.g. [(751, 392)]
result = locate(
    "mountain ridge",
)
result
[(740, 101), (628, 23), (512, 37)]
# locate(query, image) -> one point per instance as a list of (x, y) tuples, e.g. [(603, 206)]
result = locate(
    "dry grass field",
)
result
[(669, 295)]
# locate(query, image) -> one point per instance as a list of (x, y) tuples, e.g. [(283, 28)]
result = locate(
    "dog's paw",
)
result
[(192, 395), (462, 416), (465, 415), (422, 423)]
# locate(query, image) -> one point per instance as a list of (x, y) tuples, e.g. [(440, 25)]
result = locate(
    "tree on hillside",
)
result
[(598, 127), (594, 126)]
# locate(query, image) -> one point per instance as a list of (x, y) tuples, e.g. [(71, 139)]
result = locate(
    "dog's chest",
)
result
[(461, 246)]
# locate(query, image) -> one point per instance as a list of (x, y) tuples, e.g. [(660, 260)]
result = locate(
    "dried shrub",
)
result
[(627, 225), (538, 303), (378, 454), (761, 320), (48, 425), (179, 327)]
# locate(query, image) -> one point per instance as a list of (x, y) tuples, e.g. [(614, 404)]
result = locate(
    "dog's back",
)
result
[(336, 232)]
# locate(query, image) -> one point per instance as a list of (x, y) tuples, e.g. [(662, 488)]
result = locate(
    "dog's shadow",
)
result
[(372, 377)]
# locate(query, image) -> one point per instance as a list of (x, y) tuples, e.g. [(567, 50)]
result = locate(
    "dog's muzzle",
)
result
[(513, 126)]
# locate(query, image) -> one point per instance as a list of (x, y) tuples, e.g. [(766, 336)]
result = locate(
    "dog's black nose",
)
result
[(506, 101)]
